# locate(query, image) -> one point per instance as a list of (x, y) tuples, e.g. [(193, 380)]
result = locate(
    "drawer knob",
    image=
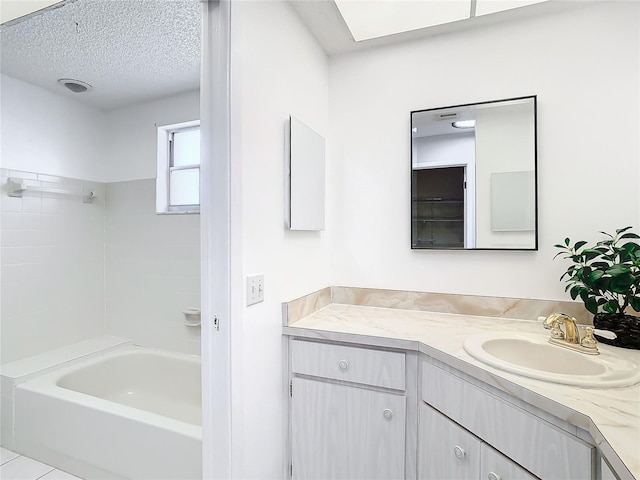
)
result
[(459, 452), (494, 476), (388, 414), (343, 364)]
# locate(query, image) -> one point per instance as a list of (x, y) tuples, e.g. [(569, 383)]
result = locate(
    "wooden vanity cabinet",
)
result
[(348, 412), (548, 451), (371, 413)]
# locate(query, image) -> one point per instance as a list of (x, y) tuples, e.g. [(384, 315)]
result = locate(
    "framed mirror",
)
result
[(473, 176)]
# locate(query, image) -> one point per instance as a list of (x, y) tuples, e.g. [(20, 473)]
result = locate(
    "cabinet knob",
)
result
[(494, 476), (343, 364), (388, 414), (459, 452)]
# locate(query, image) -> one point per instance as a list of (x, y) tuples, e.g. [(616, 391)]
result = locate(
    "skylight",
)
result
[(485, 7), (367, 19)]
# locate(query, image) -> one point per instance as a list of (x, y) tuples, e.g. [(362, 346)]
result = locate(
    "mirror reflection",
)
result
[(473, 176)]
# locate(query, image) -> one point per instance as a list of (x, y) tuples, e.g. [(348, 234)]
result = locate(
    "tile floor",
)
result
[(17, 467)]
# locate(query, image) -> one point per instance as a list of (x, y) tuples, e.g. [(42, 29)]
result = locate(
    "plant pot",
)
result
[(626, 327)]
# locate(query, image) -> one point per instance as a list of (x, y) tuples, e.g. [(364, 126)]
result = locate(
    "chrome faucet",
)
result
[(570, 337)]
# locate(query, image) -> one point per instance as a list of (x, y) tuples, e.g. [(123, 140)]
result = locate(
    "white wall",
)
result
[(452, 149), (278, 70), (133, 134), (50, 134), (588, 147), (52, 256)]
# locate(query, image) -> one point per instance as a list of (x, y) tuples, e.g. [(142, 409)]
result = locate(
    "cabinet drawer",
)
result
[(538, 446), (496, 466), (446, 450), (351, 364)]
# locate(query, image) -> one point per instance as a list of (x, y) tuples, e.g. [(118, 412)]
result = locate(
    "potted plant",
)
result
[(606, 276)]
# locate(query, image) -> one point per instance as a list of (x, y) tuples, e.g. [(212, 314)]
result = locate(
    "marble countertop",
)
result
[(611, 416)]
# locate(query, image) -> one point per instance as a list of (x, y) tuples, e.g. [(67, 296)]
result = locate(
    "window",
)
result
[(178, 179)]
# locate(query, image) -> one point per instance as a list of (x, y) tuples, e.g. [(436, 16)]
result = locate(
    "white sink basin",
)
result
[(533, 356)]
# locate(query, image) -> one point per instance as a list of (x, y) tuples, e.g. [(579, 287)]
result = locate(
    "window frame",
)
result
[(165, 168)]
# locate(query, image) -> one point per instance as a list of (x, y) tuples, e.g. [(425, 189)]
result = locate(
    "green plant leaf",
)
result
[(584, 294), (630, 235), (567, 241), (579, 244), (590, 253), (617, 269), (621, 283), (600, 265), (620, 230), (602, 284), (611, 306), (575, 291), (595, 275), (607, 234), (591, 305)]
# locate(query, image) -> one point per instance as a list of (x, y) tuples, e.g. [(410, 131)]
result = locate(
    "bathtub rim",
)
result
[(46, 384)]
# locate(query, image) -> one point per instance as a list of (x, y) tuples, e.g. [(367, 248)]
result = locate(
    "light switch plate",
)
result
[(255, 289)]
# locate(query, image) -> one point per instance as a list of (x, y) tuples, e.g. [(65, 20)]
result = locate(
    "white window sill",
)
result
[(180, 212)]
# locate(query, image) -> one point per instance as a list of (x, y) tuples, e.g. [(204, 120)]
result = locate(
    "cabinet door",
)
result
[(496, 466), (446, 450), (343, 432)]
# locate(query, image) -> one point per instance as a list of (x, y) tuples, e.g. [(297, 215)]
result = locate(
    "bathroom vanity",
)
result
[(381, 387)]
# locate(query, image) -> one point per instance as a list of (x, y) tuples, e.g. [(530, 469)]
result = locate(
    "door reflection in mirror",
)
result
[(473, 176)]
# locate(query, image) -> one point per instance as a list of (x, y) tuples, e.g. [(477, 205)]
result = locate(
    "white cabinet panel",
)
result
[(341, 432), (538, 446), (350, 364), (495, 466), (606, 472), (446, 450)]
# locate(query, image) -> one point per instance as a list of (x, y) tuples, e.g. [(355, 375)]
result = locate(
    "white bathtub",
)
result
[(131, 413)]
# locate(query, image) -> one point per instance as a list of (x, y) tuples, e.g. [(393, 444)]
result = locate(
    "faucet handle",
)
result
[(588, 341), (605, 333), (601, 333), (552, 322)]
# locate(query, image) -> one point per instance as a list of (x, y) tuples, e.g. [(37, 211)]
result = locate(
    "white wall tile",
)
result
[(52, 266), (152, 269)]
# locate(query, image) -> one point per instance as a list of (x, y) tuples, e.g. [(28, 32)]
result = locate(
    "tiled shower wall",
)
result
[(72, 270), (152, 269), (52, 265)]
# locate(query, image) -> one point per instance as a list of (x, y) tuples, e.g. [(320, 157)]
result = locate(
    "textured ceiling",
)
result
[(128, 50)]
